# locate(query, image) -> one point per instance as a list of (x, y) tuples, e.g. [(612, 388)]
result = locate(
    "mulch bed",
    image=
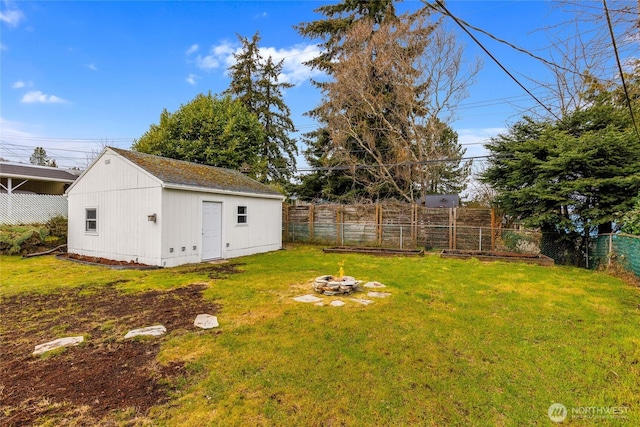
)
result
[(374, 251), (538, 259), (104, 261), (83, 385)]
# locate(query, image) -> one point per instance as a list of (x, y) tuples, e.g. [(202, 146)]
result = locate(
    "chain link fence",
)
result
[(413, 236), (563, 249), (622, 249)]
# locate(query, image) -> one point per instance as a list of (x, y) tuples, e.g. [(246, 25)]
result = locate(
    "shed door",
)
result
[(211, 230)]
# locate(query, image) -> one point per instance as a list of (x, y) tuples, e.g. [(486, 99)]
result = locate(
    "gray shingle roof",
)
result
[(178, 172), (440, 201), (36, 173)]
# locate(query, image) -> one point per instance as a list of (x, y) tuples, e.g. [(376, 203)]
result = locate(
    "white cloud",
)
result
[(10, 129), (191, 79), (19, 84), (293, 71), (193, 49), (37, 97), (474, 139), (91, 66), (11, 15)]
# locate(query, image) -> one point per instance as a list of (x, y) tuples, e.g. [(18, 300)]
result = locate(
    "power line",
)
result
[(446, 11), (415, 163), (624, 84), (521, 50)]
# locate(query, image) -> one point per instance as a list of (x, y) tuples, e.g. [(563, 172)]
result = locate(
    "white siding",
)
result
[(124, 196), (182, 211), (261, 233)]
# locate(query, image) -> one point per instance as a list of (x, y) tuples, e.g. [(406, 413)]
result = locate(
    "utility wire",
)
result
[(520, 49), (416, 163), (446, 11), (624, 84)]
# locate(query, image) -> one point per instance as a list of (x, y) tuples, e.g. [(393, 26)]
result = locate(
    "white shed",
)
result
[(129, 206)]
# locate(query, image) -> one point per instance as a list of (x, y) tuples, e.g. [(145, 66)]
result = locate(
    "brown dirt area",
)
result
[(103, 261), (104, 379)]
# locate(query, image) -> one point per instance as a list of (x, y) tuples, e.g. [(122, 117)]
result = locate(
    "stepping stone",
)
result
[(362, 301), (307, 298), (378, 294), (154, 331), (60, 342), (374, 285), (206, 321), (337, 303)]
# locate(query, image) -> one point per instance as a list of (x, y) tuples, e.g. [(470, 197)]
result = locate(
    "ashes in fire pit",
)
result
[(332, 285)]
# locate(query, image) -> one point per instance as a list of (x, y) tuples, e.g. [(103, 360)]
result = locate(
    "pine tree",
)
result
[(336, 182), (39, 157), (381, 129), (573, 177), (254, 82)]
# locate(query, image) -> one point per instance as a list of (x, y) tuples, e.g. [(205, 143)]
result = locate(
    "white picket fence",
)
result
[(30, 208)]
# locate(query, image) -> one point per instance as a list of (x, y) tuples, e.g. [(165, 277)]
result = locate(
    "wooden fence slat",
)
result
[(383, 223)]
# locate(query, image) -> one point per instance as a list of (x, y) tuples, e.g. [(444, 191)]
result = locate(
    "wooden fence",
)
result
[(391, 225)]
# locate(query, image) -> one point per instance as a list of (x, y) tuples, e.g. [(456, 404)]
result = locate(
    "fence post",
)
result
[(414, 225), (379, 222), (401, 237), (450, 228), (311, 222), (285, 219), (493, 232), (338, 225), (586, 256), (455, 228)]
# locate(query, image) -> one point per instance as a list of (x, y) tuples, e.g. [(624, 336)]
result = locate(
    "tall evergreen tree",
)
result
[(331, 180), (381, 125), (254, 82), (572, 177)]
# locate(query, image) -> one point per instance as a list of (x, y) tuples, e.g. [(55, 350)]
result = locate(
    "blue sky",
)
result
[(76, 75)]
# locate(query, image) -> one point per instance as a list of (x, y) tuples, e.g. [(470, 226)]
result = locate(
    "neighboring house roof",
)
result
[(441, 201), (36, 173), (187, 174)]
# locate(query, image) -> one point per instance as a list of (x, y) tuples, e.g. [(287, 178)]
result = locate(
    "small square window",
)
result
[(242, 214), (91, 220)]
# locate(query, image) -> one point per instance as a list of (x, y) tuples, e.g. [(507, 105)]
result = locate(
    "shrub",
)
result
[(631, 220), (17, 239), (58, 226), (28, 238), (521, 242)]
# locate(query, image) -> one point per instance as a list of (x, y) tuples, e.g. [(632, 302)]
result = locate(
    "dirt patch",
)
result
[(214, 271), (84, 385), (102, 261)]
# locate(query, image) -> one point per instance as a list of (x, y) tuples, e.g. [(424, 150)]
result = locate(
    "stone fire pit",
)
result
[(332, 285)]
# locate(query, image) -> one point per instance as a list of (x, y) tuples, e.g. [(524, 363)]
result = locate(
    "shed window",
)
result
[(91, 220), (242, 214)]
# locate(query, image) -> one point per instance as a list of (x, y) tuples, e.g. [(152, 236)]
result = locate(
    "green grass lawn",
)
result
[(457, 343)]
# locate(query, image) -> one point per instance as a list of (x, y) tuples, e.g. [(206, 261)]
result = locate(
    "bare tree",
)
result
[(95, 152), (481, 193), (581, 52), (395, 90)]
